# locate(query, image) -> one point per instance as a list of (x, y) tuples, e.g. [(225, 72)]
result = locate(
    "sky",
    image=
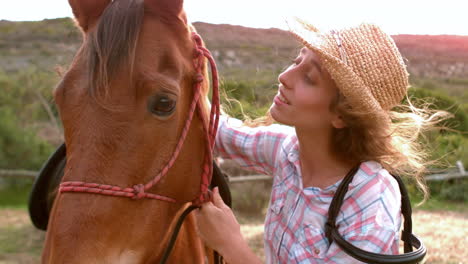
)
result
[(394, 16)]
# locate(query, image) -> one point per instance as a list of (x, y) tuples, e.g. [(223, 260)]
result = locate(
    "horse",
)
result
[(125, 104)]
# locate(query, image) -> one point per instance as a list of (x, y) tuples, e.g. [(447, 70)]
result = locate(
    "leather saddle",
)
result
[(45, 186)]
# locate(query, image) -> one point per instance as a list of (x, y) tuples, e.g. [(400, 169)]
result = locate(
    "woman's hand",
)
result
[(217, 225)]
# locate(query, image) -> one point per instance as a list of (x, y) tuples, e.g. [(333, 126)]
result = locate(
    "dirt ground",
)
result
[(444, 233)]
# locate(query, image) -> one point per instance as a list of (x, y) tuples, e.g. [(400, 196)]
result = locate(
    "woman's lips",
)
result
[(280, 99)]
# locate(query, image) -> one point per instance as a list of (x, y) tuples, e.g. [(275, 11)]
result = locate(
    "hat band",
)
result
[(339, 43)]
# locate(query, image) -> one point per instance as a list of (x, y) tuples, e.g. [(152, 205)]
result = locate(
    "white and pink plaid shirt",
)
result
[(294, 226)]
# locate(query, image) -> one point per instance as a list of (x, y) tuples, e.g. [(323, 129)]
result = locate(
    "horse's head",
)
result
[(124, 103)]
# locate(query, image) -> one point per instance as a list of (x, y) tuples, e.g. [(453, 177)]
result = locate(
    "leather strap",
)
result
[(410, 240)]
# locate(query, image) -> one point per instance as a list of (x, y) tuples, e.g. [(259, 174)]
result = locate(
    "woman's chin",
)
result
[(277, 115), (273, 111)]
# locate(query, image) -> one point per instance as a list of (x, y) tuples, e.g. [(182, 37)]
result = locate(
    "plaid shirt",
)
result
[(294, 226)]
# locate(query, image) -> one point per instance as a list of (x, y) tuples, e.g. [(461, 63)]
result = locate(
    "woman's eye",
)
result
[(309, 80), (162, 105)]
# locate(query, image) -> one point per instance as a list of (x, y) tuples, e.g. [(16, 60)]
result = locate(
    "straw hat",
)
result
[(363, 61)]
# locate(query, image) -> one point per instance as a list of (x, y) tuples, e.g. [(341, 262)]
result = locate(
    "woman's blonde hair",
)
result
[(395, 142)]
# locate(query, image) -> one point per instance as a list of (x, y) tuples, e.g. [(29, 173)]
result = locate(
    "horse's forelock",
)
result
[(112, 44)]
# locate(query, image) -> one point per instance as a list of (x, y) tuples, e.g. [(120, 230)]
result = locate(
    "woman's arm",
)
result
[(253, 148), (218, 227)]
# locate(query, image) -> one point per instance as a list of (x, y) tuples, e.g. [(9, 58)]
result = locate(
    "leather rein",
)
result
[(210, 129)]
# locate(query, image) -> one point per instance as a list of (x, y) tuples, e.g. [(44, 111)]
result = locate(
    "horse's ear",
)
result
[(87, 11), (165, 7)]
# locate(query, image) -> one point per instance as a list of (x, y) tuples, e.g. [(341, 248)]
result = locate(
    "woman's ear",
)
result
[(338, 122), (87, 12)]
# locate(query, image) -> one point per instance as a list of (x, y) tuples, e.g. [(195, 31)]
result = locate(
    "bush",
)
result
[(445, 146), (448, 148), (442, 101), (457, 191), (20, 149), (20, 112), (245, 99), (21, 90)]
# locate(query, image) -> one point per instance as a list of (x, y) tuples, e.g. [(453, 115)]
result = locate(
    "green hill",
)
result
[(241, 53)]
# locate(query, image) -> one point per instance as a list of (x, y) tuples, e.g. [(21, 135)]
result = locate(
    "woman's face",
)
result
[(305, 93)]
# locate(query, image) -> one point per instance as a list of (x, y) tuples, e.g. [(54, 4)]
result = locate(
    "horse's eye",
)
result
[(162, 105)]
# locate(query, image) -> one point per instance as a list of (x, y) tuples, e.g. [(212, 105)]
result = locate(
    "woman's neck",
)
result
[(319, 165)]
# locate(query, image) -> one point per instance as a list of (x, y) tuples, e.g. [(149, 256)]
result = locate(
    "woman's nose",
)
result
[(284, 78)]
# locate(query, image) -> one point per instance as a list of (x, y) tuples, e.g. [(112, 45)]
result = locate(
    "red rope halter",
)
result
[(210, 129)]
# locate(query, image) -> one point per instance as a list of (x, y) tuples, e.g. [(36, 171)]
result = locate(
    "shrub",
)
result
[(457, 191), (245, 99), (19, 148), (448, 148), (20, 109), (442, 101)]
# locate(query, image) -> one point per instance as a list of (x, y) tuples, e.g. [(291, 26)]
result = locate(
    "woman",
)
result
[(336, 100)]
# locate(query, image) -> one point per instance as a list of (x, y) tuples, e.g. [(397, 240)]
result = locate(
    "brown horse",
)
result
[(123, 103)]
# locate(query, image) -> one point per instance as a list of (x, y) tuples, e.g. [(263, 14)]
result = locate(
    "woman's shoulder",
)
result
[(372, 177), (373, 193)]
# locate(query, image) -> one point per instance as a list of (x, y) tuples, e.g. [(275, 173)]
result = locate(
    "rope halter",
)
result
[(210, 128)]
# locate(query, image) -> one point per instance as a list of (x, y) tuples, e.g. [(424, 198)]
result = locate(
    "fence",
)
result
[(461, 173), (18, 173)]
